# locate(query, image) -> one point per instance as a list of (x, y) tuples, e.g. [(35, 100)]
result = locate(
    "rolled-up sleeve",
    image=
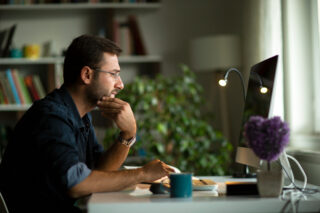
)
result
[(76, 174)]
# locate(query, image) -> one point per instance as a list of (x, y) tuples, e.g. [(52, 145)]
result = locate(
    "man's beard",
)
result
[(94, 93)]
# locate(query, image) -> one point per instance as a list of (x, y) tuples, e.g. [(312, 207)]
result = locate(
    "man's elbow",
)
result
[(78, 191)]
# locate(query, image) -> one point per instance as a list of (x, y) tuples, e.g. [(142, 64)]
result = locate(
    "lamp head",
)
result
[(263, 90), (223, 82)]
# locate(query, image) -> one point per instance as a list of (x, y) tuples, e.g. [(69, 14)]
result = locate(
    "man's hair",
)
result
[(86, 50)]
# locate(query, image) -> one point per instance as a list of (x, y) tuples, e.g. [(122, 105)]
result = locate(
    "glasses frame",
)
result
[(115, 75)]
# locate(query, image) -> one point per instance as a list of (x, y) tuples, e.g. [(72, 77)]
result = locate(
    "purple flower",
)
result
[(267, 137)]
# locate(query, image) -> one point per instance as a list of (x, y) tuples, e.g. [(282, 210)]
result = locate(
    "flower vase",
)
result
[(270, 182)]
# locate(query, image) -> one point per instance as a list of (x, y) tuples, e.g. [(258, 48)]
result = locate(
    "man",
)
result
[(53, 157)]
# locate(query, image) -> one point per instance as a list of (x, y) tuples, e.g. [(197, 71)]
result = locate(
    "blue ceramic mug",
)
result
[(181, 185)]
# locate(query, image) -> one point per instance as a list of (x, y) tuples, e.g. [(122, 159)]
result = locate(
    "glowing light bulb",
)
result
[(263, 90), (222, 82)]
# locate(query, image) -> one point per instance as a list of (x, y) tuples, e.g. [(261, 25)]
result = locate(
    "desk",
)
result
[(141, 200)]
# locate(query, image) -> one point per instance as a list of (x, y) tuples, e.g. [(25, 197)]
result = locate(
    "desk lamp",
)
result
[(223, 82), (245, 155)]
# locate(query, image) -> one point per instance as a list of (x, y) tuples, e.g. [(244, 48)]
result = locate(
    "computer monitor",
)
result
[(257, 103)]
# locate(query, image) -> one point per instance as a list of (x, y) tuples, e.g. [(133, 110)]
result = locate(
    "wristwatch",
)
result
[(125, 142)]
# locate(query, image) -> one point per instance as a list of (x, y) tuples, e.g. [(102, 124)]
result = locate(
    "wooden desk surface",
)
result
[(141, 199)]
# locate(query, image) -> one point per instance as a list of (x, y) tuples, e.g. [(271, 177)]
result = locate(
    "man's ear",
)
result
[(86, 75)]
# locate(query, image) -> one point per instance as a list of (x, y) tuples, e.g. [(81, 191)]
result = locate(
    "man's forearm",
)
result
[(100, 181), (113, 158)]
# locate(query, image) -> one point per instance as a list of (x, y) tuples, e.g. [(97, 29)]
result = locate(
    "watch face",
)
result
[(127, 142), (132, 141)]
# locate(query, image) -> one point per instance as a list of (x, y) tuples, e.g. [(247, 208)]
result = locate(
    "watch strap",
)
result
[(125, 142)]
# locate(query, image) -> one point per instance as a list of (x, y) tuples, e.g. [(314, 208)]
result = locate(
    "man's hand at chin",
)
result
[(121, 113)]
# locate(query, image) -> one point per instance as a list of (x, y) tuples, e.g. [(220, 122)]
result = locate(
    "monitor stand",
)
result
[(246, 157), (245, 173)]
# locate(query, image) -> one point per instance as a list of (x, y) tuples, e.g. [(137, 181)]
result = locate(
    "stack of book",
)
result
[(18, 89)]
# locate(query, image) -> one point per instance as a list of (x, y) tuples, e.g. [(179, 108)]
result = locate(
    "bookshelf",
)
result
[(50, 68)]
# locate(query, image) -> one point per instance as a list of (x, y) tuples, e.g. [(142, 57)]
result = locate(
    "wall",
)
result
[(170, 30)]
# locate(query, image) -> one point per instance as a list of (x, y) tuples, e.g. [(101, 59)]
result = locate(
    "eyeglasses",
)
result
[(115, 75)]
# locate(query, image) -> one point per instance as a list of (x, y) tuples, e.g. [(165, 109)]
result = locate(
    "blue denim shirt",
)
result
[(52, 150)]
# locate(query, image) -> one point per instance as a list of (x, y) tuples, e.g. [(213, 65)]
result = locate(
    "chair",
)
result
[(3, 206)]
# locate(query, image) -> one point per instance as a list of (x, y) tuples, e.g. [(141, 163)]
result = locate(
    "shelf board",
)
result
[(86, 6), (14, 61), (140, 59), (59, 60), (14, 107)]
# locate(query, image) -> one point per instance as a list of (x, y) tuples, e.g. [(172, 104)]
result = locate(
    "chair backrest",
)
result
[(3, 206)]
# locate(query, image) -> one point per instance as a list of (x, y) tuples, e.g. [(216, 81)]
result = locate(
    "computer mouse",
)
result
[(159, 188)]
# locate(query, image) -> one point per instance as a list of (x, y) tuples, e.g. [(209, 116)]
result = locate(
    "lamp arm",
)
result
[(259, 78), (242, 81)]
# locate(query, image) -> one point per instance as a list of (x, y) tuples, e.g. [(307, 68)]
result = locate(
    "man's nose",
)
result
[(119, 84)]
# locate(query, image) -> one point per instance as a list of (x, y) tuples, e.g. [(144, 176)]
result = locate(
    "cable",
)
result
[(294, 194), (303, 190), (285, 164), (301, 169)]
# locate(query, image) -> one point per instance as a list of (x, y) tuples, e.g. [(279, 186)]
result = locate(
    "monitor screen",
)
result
[(257, 103)]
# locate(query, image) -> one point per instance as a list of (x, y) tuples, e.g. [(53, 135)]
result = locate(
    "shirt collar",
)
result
[(68, 101)]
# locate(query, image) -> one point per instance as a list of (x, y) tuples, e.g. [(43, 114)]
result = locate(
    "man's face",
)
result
[(107, 81)]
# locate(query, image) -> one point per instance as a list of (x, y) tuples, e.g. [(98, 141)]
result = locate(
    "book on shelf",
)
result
[(13, 86), (7, 89), (139, 47), (6, 37), (115, 31), (3, 94), (15, 77), (126, 33), (38, 86), (31, 88), (125, 39), (24, 90)]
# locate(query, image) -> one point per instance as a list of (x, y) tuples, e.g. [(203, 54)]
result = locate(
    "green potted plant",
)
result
[(171, 126)]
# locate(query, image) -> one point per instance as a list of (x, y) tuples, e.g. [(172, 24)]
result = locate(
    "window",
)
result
[(301, 71), (290, 28)]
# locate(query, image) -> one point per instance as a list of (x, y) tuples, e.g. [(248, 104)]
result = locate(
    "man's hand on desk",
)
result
[(155, 170)]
